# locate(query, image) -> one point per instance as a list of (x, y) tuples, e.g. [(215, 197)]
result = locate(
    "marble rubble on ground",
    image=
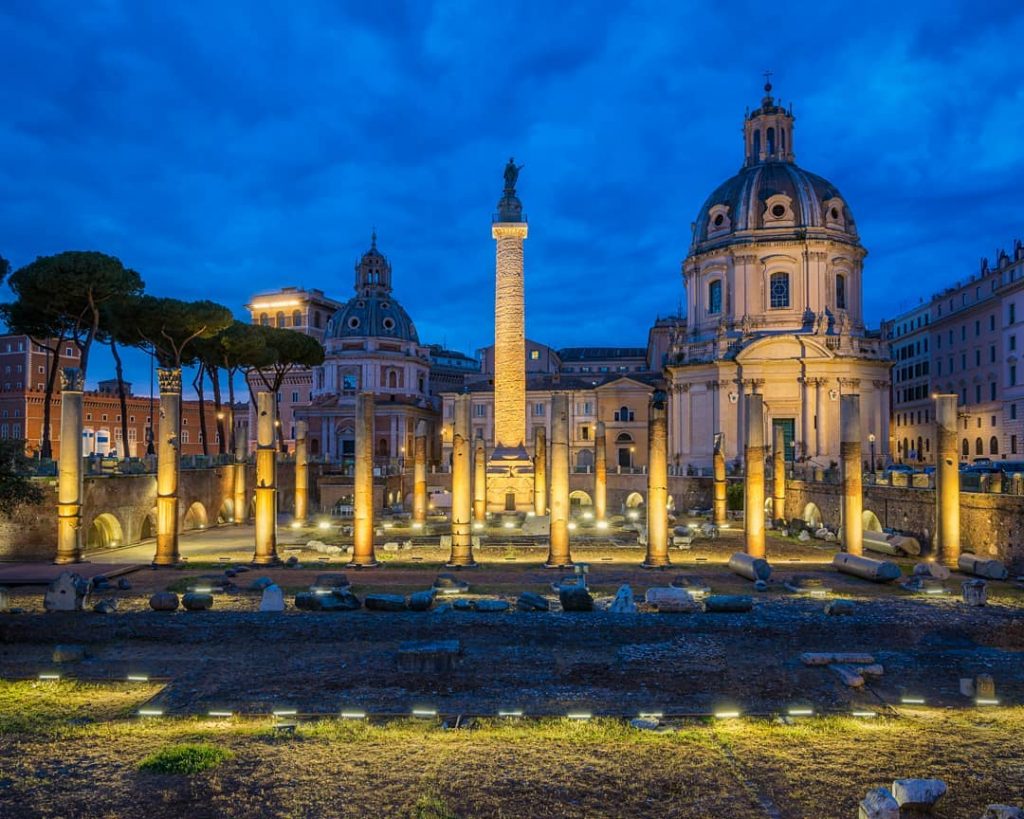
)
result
[(669, 599), (847, 675), (106, 606), (830, 657), (421, 600), (878, 571), (728, 603), (67, 592), (530, 601), (448, 583), (68, 653), (576, 598), (384, 602), (989, 569), (804, 536), (623, 602), (273, 599), (260, 583), (197, 601), (918, 794), (983, 687), (694, 586), (323, 548), (164, 601), (932, 569), (644, 723), (879, 803), (336, 600), (840, 607), (974, 592), (752, 568)]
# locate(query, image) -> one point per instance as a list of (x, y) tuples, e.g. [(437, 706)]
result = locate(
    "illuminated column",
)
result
[(600, 473), (851, 474), (819, 415), (479, 481), (419, 474), (947, 482), (558, 530), (462, 544), (718, 516), (266, 480), (69, 482), (509, 336), (779, 475), (753, 479), (540, 470), (362, 513), (657, 483), (167, 467), (301, 473), (241, 501)]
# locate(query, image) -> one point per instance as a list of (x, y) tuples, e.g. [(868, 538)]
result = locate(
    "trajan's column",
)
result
[(510, 470)]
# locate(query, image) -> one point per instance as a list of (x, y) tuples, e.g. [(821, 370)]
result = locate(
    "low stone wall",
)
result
[(990, 525)]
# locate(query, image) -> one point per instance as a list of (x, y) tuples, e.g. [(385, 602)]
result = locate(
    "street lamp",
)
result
[(871, 440)]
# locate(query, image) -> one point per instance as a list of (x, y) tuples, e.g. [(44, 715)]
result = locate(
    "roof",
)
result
[(540, 382), (600, 353)]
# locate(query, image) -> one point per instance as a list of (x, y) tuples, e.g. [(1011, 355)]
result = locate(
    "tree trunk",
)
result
[(197, 382), (214, 373), (46, 446), (119, 370)]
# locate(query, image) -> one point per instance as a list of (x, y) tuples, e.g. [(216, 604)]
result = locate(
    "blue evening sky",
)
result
[(222, 148)]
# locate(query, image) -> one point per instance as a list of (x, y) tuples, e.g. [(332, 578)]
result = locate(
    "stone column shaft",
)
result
[(819, 414), (266, 480), (362, 515), (479, 482), (558, 530), (753, 481), (540, 472), (851, 474), (657, 483), (69, 482), (779, 475), (419, 474), (241, 497), (462, 505), (718, 511), (947, 482), (600, 472), (167, 467), (509, 336), (301, 473)]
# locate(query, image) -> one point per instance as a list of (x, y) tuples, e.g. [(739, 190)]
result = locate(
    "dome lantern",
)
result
[(768, 131), (373, 273)]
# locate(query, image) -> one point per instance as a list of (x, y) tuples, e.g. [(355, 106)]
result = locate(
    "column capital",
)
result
[(71, 379), (849, 382), (683, 387), (169, 379), (880, 384)]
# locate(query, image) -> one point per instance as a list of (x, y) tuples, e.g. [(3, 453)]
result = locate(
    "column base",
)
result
[(472, 564), (265, 560), (177, 564), (362, 565), (656, 564), (554, 564), (67, 560)]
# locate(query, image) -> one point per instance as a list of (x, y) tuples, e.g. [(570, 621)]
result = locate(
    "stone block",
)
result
[(848, 675), (975, 592), (435, 657), (197, 601), (385, 602), (840, 607), (918, 794), (873, 670), (623, 602), (576, 598), (694, 585), (669, 599), (69, 653), (967, 687), (985, 687), (990, 569), (260, 583), (421, 600), (107, 606), (644, 724), (164, 601), (339, 600), (448, 583), (490, 605), (879, 803), (67, 592), (273, 599), (529, 601), (728, 603), (931, 569)]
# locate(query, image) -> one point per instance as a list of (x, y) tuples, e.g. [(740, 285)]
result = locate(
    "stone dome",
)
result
[(372, 316)]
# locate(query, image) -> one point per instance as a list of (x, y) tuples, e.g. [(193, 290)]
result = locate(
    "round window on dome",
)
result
[(835, 214), (778, 211), (389, 324), (360, 304), (719, 219), (353, 322)]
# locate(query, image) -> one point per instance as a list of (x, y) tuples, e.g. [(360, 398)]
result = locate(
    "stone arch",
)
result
[(871, 521), (105, 532), (147, 526), (226, 513), (812, 514), (634, 500), (578, 499), (195, 517)]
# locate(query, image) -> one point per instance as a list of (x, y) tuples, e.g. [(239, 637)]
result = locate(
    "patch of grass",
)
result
[(31, 707), (185, 759), (431, 806)]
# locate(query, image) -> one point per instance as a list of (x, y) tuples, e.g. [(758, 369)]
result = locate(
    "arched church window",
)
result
[(757, 144), (779, 290), (841, 291), (993, 446), (782, 139), (383, 450), (966, 448), (280, 319), (770, 141), (392, 379), (979, 446), (264, 319), (715, 296), (297, 318)]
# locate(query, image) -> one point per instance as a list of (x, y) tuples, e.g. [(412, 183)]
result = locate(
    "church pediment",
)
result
[(782, 348)]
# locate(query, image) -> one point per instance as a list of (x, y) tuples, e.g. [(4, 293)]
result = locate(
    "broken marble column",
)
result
[(947, 482), (462, 498), (851, 467), (69, 468), (540, 472), (419, 474), (753, 478), (265, 523), (558, 527), (779, 475), (600, 473), (750, 567), (657, 482), (718, 511), (979, 567), (301, 473), (880, 571), (479, 481), (362, 516), (167, 467)]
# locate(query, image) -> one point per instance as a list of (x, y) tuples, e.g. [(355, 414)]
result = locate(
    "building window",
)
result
[(585, 432), (624, 414), (538, 410), (264, 320), (479, 411), (715, 296), (779, 289), (977, 327), (992, 354), (297, 318), (1013, 375), (350, 381), (1013, 444), (1013, 312), (977, 394), (979, 446), (184, 436), (280, 319), (992, 322), (992, 391), (841, 291), (295, 398), (993, 445), (534, 355), (1013, 412), (1013, 342)]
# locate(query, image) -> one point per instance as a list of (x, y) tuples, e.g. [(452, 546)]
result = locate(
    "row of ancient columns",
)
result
[(70, 473)]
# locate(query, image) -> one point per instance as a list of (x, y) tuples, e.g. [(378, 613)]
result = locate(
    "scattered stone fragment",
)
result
[(391, 547), (840, 607), (307, 601), (421, 600), (728, 603), (671, 600), (291, 562), (164, 601), (692, 584), (100, 582), (570, 581), (1002, 812), (804, 536), (873, 670), (107, 606), (448, 583), (339, 600), (530, 601), (848, 675), (241, 569), (623, 602), (576, 598), (644, 724), (826, 658), (991, 569), (932, 569), (490, 605), (68, 653), (67, 592), (434, 657), (967, 687), (879, 571), (197, 601), (802, 584), (462, 604), (273, 599), (879, 803), (918, 794), (384, 602), (975, 592), (752, 568), (761, 585), (260, 583)]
